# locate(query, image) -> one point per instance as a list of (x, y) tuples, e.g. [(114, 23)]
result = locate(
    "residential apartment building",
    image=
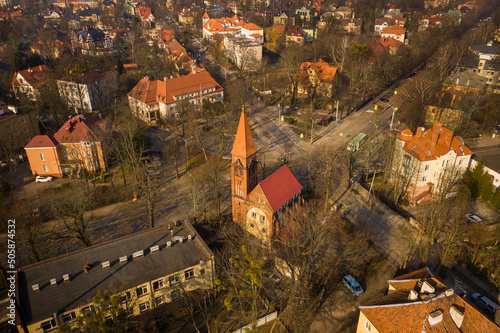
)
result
[(244, 52), (284, 17), (91, 41), (428, 160), (315, 77), (446, 108), (17, 127), (295, 35), (421, 302), (151, 100), (29, 82), (488, 65), (305, 13), (350, 26), (231, 27), (75, 148), (145, 269), (88, 91), (396, 32)]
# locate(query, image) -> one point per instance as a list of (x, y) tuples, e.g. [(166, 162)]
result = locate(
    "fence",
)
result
[(261, 321)]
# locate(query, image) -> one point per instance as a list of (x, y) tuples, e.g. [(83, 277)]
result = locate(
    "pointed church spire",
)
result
[(243, 143)]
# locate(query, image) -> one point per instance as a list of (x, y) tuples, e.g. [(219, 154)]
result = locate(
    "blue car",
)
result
[(353, 285)]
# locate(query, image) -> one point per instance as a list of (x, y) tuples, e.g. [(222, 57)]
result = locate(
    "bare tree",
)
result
[(339, 50)]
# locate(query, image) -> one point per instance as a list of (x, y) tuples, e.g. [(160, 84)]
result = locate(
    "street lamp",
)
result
[(393, 113), (187, 157)]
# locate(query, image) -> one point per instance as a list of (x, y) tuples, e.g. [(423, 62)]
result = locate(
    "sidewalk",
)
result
[(484, 286)]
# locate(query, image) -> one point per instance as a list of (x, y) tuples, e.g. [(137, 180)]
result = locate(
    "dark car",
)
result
[(383, 99)]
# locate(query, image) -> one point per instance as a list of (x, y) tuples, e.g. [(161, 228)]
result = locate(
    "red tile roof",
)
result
[(394, 30), (296, 31), (37, 76), (251, 26), (79, 129), (280, 187), (243, 145), (325, 72), (151, 92), (390, 42), (433, 143), (396, 312), (42, 141)]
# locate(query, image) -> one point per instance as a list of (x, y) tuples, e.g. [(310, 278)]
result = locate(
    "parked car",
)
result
[(485, 303), (43, 179), (474, 218), (353, 285), (152, 172), (383, 99)]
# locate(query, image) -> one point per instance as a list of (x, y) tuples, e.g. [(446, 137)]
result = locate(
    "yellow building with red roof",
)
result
[(396, 32), (28, 82), (233, 26), (315, 76), (423, 162)]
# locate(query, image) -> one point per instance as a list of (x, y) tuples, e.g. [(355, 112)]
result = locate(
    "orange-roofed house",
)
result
[(222, 26), (317, 77), (75, 147), (29, 82), (428, 162), (151, 100), (395, 31), (259, 208), (421, 302)]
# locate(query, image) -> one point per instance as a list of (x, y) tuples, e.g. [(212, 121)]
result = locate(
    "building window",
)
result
[(69, 317), (158, 285), (424, 179), (48, 325), (141, 291), (42, 157), (254, 214), (368, 326), (252, 226), (460, 162), (263, 218), (263, 230), (427, 167), (189, 274), (23, 120), (174, 295), (144, 306), (26, 130), (125, 297), (160, 300), (202, 271), (87, 308), (45, 168), (174, 279)]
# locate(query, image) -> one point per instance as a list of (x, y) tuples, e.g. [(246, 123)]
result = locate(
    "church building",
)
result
[(259, 208)]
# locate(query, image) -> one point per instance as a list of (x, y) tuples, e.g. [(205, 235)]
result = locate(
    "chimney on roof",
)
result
[(413, 295), (146, 78), (435, 317), (40, 67), (165, 79), (427, 288), (457, 316), (419, 132)]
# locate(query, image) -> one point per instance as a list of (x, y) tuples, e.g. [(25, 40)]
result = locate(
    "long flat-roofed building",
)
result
[(148, 268)]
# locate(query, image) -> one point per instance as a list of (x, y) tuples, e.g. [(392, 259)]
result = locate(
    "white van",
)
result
[(485, 303)]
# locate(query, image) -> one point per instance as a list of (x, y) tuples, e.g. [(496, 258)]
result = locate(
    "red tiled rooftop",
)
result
[(280, 187), (42, 141)]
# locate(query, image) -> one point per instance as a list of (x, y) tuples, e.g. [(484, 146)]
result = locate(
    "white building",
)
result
[(87, 92), (427, 159), (244, 52)]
